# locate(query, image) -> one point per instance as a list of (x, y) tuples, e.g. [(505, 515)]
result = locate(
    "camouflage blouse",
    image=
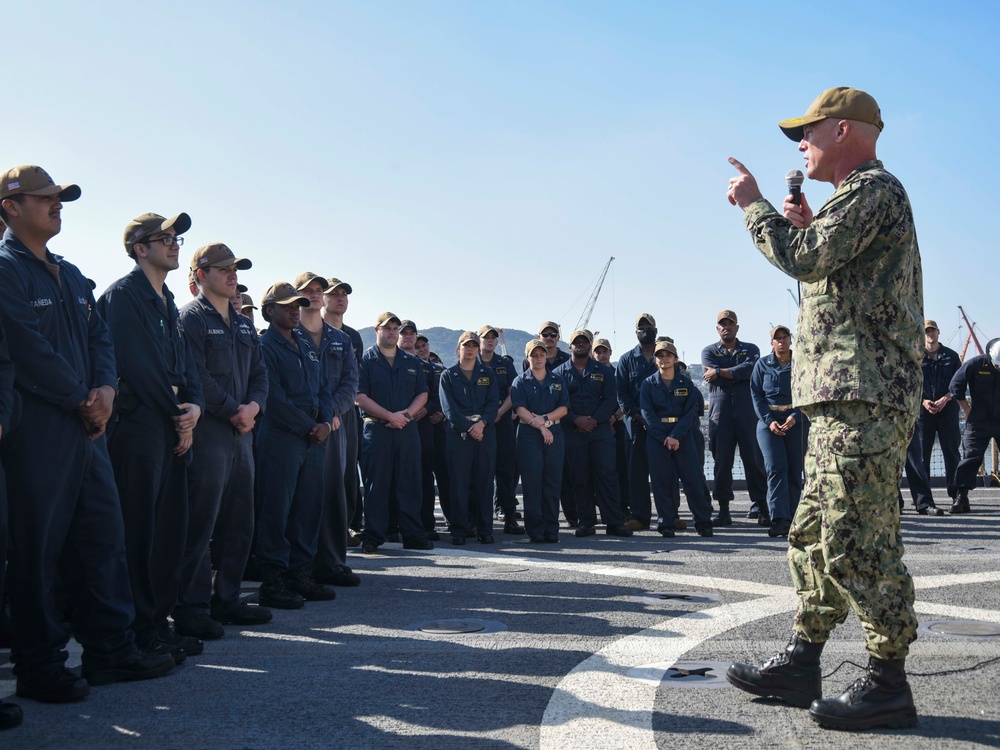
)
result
[(860, 335)]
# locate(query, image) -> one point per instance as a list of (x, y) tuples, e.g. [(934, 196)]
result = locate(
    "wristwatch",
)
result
[(548, 422), (407, 415)]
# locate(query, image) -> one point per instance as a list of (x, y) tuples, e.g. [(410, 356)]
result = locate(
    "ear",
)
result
[(138, 250), (11, 207), (843, 129)]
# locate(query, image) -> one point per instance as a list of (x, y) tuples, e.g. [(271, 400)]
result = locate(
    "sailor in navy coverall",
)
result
[(938, 412), (391, 387), (540, 399), (469, 399), (669, 409), (981, 377), (150, 436), (590, 447), (226, 351), (336, 353), (291, 450), (64, 525), (779, 430), (633, 368), (728, 365)]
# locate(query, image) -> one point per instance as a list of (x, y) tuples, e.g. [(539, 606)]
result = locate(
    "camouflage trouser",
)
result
[(844, 545)]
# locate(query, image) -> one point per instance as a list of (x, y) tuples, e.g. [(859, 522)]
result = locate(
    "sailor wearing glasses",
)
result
[(159, 403), (548, 334)]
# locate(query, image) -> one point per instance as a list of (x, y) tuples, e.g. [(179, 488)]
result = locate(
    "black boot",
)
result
[(792, 675), (961, 503), (10, 715), (511, 526), (881, 698), (273, 591), (723, 519)]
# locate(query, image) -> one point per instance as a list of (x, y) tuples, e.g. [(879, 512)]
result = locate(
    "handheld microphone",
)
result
[(793, 179)]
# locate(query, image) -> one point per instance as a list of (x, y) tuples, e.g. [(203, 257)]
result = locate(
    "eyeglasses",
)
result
[(549, 335), (167, 241)]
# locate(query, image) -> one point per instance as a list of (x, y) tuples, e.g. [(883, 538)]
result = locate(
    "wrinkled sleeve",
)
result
[(757, 393), (841, 230)]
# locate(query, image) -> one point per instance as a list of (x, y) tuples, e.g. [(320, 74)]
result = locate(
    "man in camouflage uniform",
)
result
[(857, 377)]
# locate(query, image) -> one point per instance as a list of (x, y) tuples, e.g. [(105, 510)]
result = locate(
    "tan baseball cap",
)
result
[(931, 324), (387, 317), (582, 332), (217, 255), (598, 343), (283, 293), (726, 314), (306, 278), (842, 103), (488, 329), (531, 346), (30, 179), (777, 328), (468, 336), (647, 317), (247, 302), (665, 346), (333, 282), (149, 224), (550, 324)]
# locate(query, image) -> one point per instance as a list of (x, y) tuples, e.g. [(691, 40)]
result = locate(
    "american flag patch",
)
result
[(13, 185)]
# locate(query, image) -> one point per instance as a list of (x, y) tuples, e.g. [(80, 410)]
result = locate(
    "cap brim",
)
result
[(180, 223), (332, 289), (66, 193), (242, 264), (299, 300), (794, 127)]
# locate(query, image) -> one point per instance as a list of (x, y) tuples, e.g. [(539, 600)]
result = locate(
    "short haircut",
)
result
[(17, 198)]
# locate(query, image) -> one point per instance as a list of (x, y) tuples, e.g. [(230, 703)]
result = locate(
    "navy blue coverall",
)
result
[(471, 462), (771, 390), (351, 424), (221, 476), (939, 368), (590, 456), (541, 465), (505, 497), (289, 464), (156, 372), (440, 441), (336, 353), (672, 411), (981, 379), (427, 458), (390, 457), (633, 368), (64, 525), (732, 421), (8, 402)]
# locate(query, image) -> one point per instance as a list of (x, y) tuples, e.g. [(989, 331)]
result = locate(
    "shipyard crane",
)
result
[(589, 309)]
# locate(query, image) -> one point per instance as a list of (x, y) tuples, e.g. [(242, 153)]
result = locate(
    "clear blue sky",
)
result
[(469, 162)]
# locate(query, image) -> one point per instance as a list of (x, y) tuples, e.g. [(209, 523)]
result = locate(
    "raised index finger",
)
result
[(739, 166)]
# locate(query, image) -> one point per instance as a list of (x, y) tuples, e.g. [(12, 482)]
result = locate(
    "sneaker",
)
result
[(54, 685), (302, 583), (136, 665), (753, 512), (241, 613), (199, 626), (930, 510)]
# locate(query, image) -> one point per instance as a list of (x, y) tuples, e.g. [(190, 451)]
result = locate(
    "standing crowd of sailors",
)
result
[(154, 454)]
